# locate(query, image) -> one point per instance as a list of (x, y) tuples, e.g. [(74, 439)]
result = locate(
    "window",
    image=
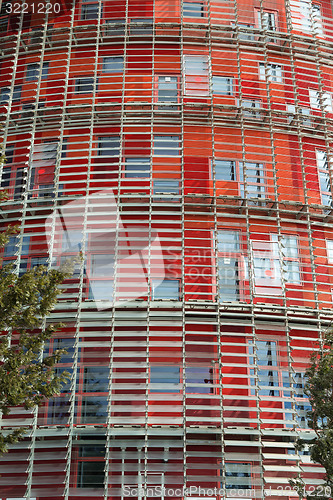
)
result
[(167, 92), (266, 20), (5, 92), (166, 145), (225, 170), (34, 69), (266, 268), (255, 180), (193, 9), (137, 167), (4, 96), (250, 108), (114, 27), (19, 183), (273, 71), (290, 257), (9, 153), (164, 378), (168, 188), (304, 112), (324, 178), (311, 17), (329, 247), (229, 265), (102, 265), (199, 380), (316, 103), (17, 92), (109, 145), (89, 10), (5, 178), (237, 476), (268, 378), (101, 290), (42, 167), (196, 65), (72, 241), (84, 85), (302, 402), (141, 26), (246, 32), (167, 289), (222, 85), (13, 245), (113, 64), (196, 75), (91, 474)]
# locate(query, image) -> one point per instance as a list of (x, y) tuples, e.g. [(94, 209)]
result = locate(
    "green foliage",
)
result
[(26, 378), (319, 389)]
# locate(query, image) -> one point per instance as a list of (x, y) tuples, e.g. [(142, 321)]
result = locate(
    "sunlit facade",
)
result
[(185, 148)]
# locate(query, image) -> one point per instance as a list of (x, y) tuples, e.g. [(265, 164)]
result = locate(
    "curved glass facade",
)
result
[(185, 148)]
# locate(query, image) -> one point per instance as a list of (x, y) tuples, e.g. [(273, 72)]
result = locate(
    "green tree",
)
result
[(26, 377), (319, 389)]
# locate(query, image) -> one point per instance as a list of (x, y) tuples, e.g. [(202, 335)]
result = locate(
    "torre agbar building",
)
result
[(184, 148)]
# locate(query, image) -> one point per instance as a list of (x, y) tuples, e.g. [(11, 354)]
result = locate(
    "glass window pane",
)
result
[(90, 474), (237, 475), (222, 85), (72, 241), (166, 145), (96, 379), (94, 409), (228, 241), (5, 179), (137, 167), (196, 65), (89, 11), (166, 186), (168, 289), (102, 265), (225, 170), (193, 9), (114, 64), (199, 375), (84, 85), (165, 377), (167, 89), (101, 290), (228, 279), (109, 145)]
